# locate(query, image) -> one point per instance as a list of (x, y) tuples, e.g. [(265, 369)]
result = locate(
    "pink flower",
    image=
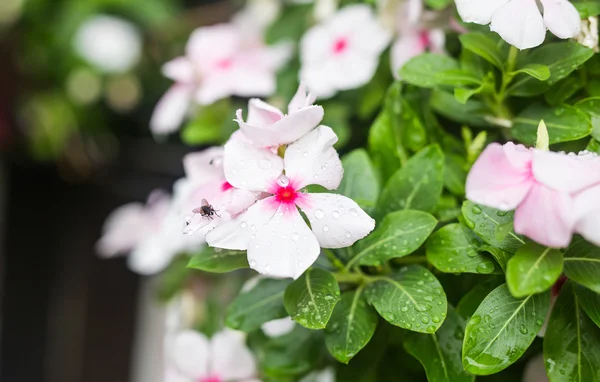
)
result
[(519, 22), (413, 38), (205, 179), (267, 126), (587, 214), (223, 358), (220, 61), (278, 241), (151, 233), (540, 185), (342, 53)]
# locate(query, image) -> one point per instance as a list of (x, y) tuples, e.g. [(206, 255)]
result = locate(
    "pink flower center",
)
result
[(424, 39), (210, 379), (224, 63), (286, 194), (340, 45), (226, 186)]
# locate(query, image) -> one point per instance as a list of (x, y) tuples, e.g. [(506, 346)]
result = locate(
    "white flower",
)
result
[(278, 241), (342, 52), (268, 126), (223, 358), (220, 61), (325, 375), (519, 22), (279, 327), (109, 43)]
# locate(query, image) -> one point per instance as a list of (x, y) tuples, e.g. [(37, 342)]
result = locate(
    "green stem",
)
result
[(350, 278), (334, 260), (499, 108)]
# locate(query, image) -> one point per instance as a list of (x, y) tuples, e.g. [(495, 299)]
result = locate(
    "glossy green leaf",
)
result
[(218, 260), (360, 182), (439, 353), (208, 126), (472, 113), (501, 256), (263, 303), (493, 226), (456, 77), (469, 303), (411, 298), (564, 123), (533, 269), (564, 89), (455, 175), (454, 249), (291, 354), (400, 234), (483, 45), (501, 329), (438, 4), (537, 71), (462, 95), (351, 326), (418, 185), (422, 70), (582, 264), (310, 299), (572, 341), (589, 301)]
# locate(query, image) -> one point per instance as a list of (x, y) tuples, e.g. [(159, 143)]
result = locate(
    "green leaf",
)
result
[(209, 124), (360, 182), (493, 226), (469, 303), (290, 25), (571, 350), (418, 185), (310, 299), (351, 326), (454, 249), (438, 4), (263, 303), (400, 234), (589, 301), (462, 95), (411, 298), (472, 113), (587, 8), (338, 116), (501, 256), (501, 329), (565, 123), (218, 260), (537, 71), (456, 77), (582, 264), (439, 353), (291, 354), (562, 58), (484, 46), (422, 70), (533, 269), (564, 89), (455, 175)]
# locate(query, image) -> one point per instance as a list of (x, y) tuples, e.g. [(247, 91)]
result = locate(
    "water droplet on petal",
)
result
[(335, 214), (283, 180), (305, 154), (325, 228), (319, 214), (353, 212), (244, 225), (348, 234), (295, 236), (252, 263)]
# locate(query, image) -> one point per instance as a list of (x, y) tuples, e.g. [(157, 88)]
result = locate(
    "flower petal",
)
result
[(279, 327), (151, 256), (337, 221), (204, 166), (247, 81), (181, 70), (546, 216), (190, 353), (406, 47), (251, 168), (313, 160), (230, 357), (236, 233), (301, 99), (561, 18), (519, 23), (262, 114), (477, 11), (171, 109), (563, 172), (208, 45), (587, 211), (123, 230), (284, 247), (495, 181)]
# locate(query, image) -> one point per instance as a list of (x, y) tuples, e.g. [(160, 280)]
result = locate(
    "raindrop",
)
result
[(295, 236), (348, 234), (305, 154), (335, 214), (404, 309), (252, 263), (476, 210), (430, 329), (324, 167), (436, 319), (485, 268), (476, 319), (243, 224), (283, 181), (267, 268), (319, 214), (353, 212), (325, 228), (523, 329)]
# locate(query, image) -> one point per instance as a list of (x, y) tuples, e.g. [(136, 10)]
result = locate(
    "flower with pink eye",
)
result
[(278, 241), (342, 52)]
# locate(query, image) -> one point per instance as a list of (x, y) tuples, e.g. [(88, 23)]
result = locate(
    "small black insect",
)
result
[(206, 210)]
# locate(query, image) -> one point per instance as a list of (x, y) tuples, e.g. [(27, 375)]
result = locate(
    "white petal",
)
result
[(301, 99), (568, 173), (317, 77), (251, 168), (313, 160), (151, 256), (478, 11), (284, 247), (204, 166), (587, 213), (315, 46), (230, 358), (326, 375), (208, 45), (261, 113), (519, 23), (336, 220), (247, 81), (180, 69), (214, 87), (190, 353), (124, 228), (279, 327), (437, 41), (561, 18), (171, 109), (236, 233)]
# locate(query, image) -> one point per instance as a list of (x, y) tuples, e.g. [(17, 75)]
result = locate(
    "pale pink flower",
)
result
[(224, 358), (278, 240), (414, 37), (150, 233), (540, 185), (587, 214), (220, 61), (520, 22), (267, 126), (342, 52), (205, 179)]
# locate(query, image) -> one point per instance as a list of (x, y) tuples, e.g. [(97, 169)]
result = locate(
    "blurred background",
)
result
[(78, 82)]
